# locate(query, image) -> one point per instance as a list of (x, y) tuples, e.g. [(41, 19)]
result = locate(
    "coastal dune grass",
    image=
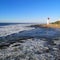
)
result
[(51, 25), (54, 24)]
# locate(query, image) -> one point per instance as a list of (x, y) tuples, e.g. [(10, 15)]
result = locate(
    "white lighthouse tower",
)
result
[(48, 22)]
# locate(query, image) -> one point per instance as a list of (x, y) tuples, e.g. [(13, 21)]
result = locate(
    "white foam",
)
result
[(31, 49), (10, 29)]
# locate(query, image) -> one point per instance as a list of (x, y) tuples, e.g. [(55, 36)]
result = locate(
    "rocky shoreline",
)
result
[(36, 44), (32, 49), (47, 26)]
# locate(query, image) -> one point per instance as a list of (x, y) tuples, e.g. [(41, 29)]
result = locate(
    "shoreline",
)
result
[(47, 26)]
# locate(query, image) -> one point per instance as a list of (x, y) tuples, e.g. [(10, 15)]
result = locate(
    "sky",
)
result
[(36, 11)]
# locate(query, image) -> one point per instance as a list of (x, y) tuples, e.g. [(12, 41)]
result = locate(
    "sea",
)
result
[(20, 41)]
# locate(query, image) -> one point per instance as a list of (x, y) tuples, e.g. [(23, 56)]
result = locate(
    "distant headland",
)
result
[(55, 24)]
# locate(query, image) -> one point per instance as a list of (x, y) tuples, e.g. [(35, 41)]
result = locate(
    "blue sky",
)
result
[(29, 10)]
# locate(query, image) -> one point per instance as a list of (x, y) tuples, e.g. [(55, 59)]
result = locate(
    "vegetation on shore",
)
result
[(54, 24), (57, 22), (51, 25)]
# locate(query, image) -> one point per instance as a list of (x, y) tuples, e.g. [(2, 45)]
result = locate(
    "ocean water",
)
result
[(10, 28), (22, 42), (4, 24)]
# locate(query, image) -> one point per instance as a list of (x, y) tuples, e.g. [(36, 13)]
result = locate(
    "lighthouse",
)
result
[(48, 21)]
